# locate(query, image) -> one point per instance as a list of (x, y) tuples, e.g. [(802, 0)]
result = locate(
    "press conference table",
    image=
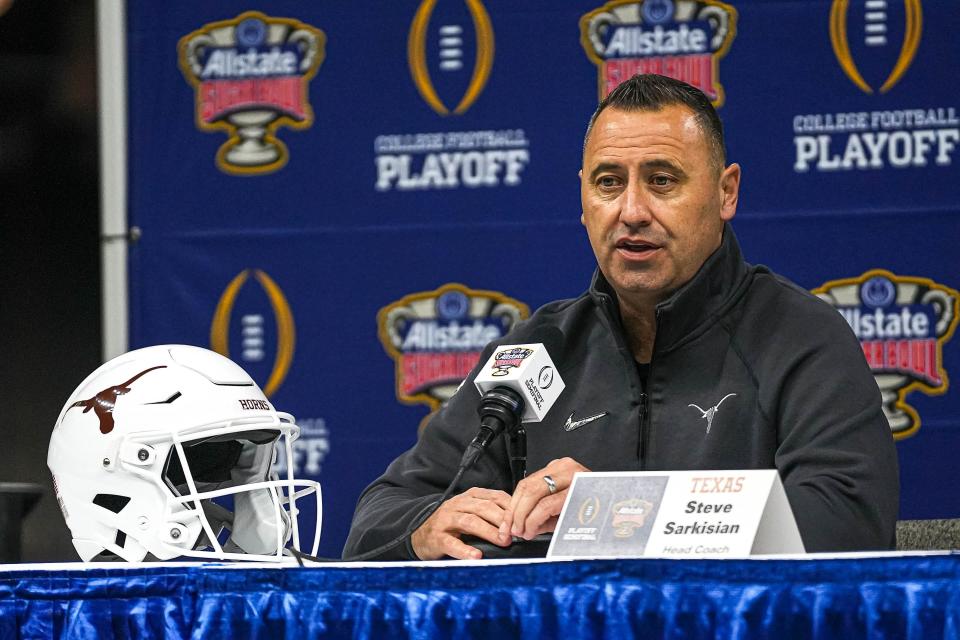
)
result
[(879, 596)]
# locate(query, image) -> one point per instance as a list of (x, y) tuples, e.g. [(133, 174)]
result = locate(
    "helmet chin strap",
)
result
[(252, 527), (257, 517), (259, 524)]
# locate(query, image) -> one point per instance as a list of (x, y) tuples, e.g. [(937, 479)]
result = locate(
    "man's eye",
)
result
[(608, 182), (661, 181)]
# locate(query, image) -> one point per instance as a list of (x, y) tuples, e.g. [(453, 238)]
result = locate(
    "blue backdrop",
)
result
[(349, 199)]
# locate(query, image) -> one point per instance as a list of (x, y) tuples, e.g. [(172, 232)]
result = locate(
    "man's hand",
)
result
[(533, 509), (476, 512)]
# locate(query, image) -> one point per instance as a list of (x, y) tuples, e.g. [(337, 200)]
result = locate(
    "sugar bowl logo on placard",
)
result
[(630, 515), (250, 75), (435, 338), (448, 36), (881, 50), (683, 39), (902, 323), (265, 324)]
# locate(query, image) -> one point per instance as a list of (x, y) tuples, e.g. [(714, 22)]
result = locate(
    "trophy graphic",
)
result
[(682, 39), (902, 323), (630, 515), (250, 76)]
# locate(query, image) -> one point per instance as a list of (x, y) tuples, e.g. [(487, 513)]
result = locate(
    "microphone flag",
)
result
[(527, 369)]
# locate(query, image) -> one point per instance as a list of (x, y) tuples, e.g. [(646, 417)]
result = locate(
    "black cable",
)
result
[(500, 409)]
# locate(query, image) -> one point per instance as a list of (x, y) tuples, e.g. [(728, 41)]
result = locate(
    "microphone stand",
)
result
[(535, 548), (517, 447)]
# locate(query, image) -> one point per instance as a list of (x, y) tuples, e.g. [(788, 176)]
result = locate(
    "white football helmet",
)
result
[(167, 451)]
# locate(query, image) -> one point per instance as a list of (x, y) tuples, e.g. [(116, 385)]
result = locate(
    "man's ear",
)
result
[(580, 175), (729, 191)]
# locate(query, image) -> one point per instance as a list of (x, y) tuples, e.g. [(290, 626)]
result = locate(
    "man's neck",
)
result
[(640, 326)]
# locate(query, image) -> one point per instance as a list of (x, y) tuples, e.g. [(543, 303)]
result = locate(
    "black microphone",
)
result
[(500, 410), (519, 383)]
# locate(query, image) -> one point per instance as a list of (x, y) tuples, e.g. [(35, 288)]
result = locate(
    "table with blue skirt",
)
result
[(884, 596)]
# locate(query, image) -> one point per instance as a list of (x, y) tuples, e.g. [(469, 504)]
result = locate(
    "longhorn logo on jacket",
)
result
[(709, 414)]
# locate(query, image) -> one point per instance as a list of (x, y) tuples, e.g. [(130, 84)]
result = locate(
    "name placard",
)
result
[(675, 514)]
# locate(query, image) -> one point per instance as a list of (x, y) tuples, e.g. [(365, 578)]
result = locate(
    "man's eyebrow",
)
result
[(603, 167), (657, 163), (661, 163)]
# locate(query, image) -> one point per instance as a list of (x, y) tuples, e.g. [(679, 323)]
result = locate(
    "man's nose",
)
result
[(634, 209)]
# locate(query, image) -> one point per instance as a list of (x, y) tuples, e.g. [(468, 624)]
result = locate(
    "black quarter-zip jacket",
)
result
[(749, 371)]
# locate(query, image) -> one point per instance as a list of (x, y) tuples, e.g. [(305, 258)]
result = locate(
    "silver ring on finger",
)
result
[(551, 485)]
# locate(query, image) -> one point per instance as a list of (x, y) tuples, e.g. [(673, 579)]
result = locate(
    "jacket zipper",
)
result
[(645, 399), (643, 432)]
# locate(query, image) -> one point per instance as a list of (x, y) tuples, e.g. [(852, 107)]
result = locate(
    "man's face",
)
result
[(654, 201)]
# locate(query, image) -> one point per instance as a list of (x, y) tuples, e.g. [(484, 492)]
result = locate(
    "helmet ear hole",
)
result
[(111, 502)]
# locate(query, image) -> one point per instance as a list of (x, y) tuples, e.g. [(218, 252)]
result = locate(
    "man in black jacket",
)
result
[(680, 356)]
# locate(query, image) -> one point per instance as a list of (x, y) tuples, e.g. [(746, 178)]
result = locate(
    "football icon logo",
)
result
[(439, 44), (881, 22), (253, 328)]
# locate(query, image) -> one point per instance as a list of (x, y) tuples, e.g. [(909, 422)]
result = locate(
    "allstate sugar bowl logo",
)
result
[(683, 39), (435, 338), (630, 515), (250, 75), (509, 359), (902, 323)]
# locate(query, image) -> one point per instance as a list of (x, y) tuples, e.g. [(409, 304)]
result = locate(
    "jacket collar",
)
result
[(695, 305)]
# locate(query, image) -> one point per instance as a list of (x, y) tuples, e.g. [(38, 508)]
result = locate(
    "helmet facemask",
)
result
[(221, 487)]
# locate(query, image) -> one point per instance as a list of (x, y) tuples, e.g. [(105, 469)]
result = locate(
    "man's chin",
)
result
[(638, 287)]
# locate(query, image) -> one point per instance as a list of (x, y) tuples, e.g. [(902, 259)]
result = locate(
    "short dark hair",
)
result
[(651, 92)]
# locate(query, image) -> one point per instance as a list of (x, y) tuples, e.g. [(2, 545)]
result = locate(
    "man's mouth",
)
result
[(636, 249)]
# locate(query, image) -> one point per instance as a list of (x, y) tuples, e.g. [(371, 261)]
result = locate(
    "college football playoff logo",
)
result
[(880, 25), (255, 328), (683, 39), (449, 37), (436, 337), (902, 323), (250, 75)]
